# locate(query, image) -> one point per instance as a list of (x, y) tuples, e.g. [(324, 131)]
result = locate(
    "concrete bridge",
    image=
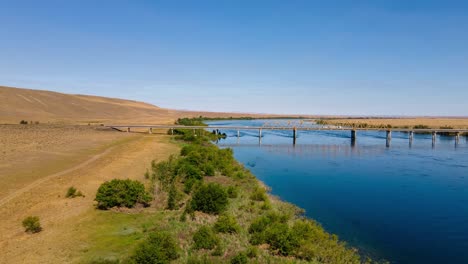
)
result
[(353, 131)]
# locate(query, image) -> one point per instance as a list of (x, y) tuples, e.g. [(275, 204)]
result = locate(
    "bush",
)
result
[(226, 224), (23, 122), (205, 238), (240, 258), (259, 194), (159, 248), (121, 193), (31, 224), (252, 252), (210, 198), (259, 226), (172, 198), (72, 193), (281, 239), (189, 184), (232, 192)]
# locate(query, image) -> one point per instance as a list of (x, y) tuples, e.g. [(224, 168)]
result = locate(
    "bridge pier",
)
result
[(260, 136), (238, 133), (294, 135), (411, 135), (128, 129), (172, 131), (389, 138), (434, 134), (150, 130), (457, 139), (353, 138)]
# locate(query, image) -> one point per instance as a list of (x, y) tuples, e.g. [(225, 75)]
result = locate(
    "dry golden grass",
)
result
[(108, 155), (436, 122)]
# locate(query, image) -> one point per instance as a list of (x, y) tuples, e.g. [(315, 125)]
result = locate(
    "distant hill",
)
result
[(46, 106), (18, 104)]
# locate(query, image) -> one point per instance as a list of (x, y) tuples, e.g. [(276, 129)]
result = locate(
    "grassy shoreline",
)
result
[(256, 227)]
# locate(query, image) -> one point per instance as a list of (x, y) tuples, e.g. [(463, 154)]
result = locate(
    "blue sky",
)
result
[(306, 57)]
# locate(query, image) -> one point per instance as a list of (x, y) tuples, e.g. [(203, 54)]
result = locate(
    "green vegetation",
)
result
[(210, 198), (31, 224), (72, 193), (240, 258), (121, 193), (226, 224), (421, 127), (215, 211), (158, 248), (205, 238)]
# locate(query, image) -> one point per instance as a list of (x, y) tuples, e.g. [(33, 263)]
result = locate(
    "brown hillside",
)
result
[(18, 104), (46, 106)]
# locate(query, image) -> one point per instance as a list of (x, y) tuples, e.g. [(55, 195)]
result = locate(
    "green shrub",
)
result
[(209, 170), (159, 248), (232, 192), (210, 198), (259, 226), (281, 239), (122, 193), (259, 194), (72, 193), (23, 122), (189, 184), (172, 198), (31, 224), (252, 252), (226, 224), (266, 205), (205, 238), (240, 258)]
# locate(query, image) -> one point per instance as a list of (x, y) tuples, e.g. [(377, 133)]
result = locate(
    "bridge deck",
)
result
[(326, 128)]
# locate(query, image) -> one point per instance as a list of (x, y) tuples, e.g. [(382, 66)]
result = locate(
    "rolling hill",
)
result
[(46, 106)]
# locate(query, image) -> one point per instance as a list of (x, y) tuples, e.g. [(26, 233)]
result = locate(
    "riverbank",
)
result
[(253, 224), (421, 122)]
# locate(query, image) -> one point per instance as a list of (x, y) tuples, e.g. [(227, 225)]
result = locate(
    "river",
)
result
[(403, 204)]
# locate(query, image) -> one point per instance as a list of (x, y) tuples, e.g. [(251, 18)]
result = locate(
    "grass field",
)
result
[(43, 182)]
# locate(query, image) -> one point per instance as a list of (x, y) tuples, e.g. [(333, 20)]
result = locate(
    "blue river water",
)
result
[(399, 203)]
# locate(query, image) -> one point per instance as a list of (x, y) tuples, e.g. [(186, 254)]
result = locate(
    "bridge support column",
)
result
[(294, 135), (434, 134), (389, 138), (128, 129), (150, 130), (172, 131), (353, 138), (260, 136), (238, 133), (457, 139), (411, 136)]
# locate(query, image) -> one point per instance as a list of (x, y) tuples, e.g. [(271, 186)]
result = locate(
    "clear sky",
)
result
[(396, 57)]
